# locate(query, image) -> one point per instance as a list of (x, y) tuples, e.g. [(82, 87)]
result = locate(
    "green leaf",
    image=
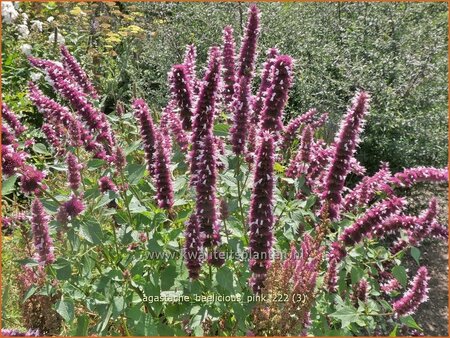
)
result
[(346, 314), (415, 253), (8, 185), (82, 326), (66, 309), (134, 173), (91, 232), (63, 269), (356, 274), (221, 129), (394, 331), (40, 149), (95, 164), (31, 291), (224, 278), (399, 273), (168, 277), (410, 322)]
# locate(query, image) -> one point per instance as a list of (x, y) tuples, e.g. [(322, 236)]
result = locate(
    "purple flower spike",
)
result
[(331, 276), (367, 189), (74, 171), (61, 81), (290, 131), (206, 107), (410, 176), (371, 220), (120, 159), (181, 94), (261, 218), (12, 120), (190, 59), (41, 236), (30, 180), (17, 333), (176, 127), (206, 203), (73, 207), (8, 137), (193, 247), (162, 175), (301, 161), (266, 81), (241, 113), (106, 184), (360, 292), (416, 294), (57, 114), (52, 137), (147, 131), (247, 54), (277, 94), (229, 72), (74, 68), (346, 143), (12, 160)]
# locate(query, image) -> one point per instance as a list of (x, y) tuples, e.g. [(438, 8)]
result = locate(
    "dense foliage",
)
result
[(219, 210)]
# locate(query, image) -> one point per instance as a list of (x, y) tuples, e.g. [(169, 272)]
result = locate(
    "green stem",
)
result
[(49, 195)]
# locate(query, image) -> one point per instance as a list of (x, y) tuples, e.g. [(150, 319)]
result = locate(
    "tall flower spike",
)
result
[(346, 143), (408, 177), (60, 80), (147, 131), (301, 161), (261, 218), (181, 94), (371, 219), (247, 54), (206, 202), (176, 127), (290, 131), (190, 59), (241, 112), (74, 68), (74, 174), (12, 120), (12, 160), (366, 190), (55, 114), (8, 137), (162, 175), (30, 179), (416, 294), (229, 72), (277, 94), (41, 235), (206, 106), (52, 137), (266, 80), (193, 247)]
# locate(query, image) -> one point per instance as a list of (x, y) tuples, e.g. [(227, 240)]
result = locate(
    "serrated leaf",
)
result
[(399, 273), (66, 310), (346, 314), (40, 149), (415, 253), (224, 278), (8, 185), (134, 173)]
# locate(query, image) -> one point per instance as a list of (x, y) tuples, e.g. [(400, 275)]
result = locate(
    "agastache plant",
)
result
[(241, 113), (41, 235), (74, 68), (181, 94), (205, 108), (147, 129), (247, 55), (304, 211), (277, 94), (261, 218), (229, 71), (416, 294), (345, 148)]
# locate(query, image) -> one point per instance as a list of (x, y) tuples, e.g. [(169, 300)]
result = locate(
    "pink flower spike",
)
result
[(416, 294)]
